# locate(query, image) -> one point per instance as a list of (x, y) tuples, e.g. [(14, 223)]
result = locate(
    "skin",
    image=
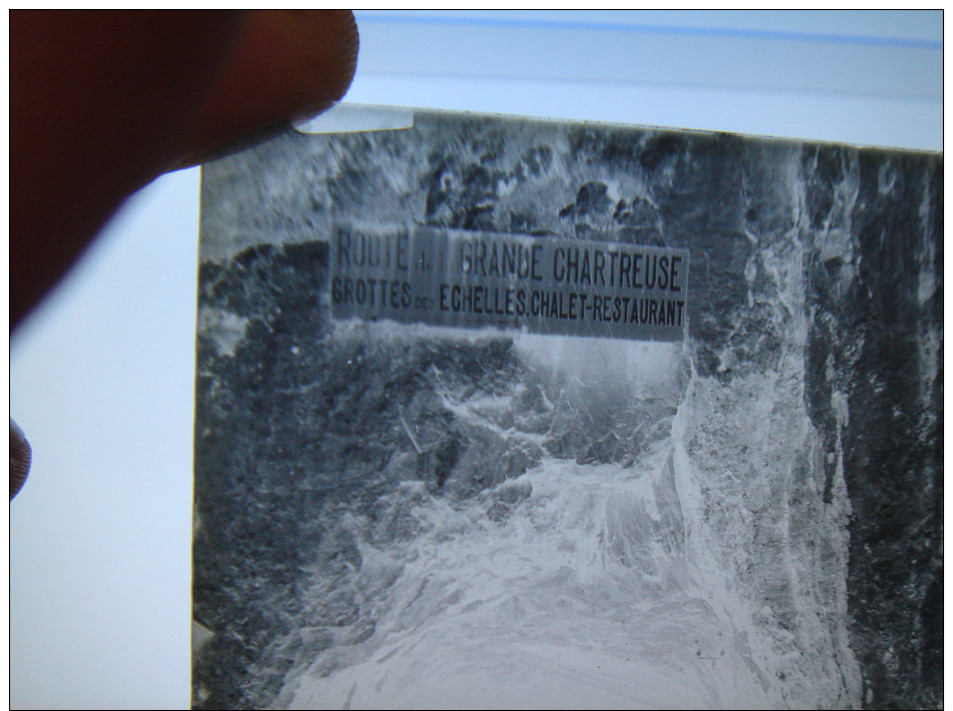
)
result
[(101, 103)]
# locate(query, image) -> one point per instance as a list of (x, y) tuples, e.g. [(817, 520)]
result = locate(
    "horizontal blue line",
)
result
[(408, 18), (759, 88)]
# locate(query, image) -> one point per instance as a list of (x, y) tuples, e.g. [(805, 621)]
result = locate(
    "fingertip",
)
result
[(286, 63), (20, 457)]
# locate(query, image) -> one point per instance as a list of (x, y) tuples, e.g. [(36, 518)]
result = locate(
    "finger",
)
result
[(103, 102), (20, 456), (285, 64), (97, 103)]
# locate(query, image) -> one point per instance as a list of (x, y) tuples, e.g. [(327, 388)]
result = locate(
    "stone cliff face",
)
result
[(875, 385), (802, 414)]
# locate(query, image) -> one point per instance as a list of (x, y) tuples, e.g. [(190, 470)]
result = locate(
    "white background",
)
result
[(101, 376)]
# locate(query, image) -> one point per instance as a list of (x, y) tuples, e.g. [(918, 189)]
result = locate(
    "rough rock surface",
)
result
[(792, 444)]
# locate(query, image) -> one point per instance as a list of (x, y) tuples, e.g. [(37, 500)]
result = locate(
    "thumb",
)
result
[(285, 63)]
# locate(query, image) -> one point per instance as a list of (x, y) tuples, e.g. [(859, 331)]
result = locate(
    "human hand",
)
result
[(101, 103)]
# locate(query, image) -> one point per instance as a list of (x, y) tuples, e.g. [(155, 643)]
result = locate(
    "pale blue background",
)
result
[(102, 376)]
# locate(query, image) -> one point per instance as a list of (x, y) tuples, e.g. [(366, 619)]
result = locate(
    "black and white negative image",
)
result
[(509, 413)]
